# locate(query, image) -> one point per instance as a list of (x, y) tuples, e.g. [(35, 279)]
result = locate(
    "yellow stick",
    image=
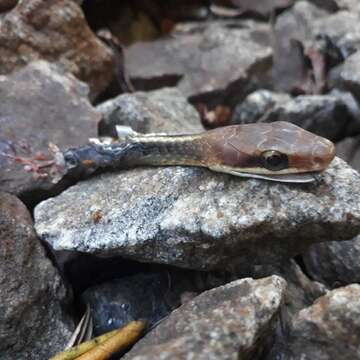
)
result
[(125, 337), (80, 349)]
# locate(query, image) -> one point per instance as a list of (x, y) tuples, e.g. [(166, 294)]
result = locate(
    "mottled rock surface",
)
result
[(195, 218), (334, 263), (40, 104), (56, 31), (33, 324), (218, 54), (329, 329), (163, 110), (232, 321)]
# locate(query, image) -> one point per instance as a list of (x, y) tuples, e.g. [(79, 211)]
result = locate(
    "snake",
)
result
[(278, 151)]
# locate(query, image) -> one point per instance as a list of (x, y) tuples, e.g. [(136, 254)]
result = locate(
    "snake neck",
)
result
[(165, 150)]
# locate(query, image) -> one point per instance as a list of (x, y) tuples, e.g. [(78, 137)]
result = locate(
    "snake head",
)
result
[(279, 151)]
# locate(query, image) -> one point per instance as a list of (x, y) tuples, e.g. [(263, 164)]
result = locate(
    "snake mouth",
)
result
[(286, 178), (300, 177)]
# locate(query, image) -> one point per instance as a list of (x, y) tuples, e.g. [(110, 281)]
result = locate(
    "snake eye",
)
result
[(274, 160)]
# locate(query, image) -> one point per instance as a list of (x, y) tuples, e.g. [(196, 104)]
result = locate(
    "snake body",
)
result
[(278, 151)]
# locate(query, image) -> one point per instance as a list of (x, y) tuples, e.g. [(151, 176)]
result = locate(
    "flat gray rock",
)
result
[(164, 110), (222, 323), (198, 219), (217, 54)]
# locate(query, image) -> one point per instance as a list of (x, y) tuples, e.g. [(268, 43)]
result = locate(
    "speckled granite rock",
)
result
[(329, 329), (195, 218), (33, 321), (230, 322), (163, 110)]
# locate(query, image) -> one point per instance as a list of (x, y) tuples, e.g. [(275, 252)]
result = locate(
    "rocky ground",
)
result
[(220, 267)]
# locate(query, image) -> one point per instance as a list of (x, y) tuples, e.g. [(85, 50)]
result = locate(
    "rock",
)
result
[(342, 27), (347, 77), (350, 5), (237, 318), (194, 218), (163, 110), (149, 295), (33, 323), (264, 8), (329, 329), (349, 150), (256, 105), (55, 31), (40, 104), (219, 57), (289, 69), (334, 263), (325, 115), (6, 5)]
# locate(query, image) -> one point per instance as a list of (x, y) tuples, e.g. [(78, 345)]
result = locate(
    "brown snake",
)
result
[(278, 151)]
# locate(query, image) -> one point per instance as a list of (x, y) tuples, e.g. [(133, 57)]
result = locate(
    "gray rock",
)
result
[(325, 115), (342, 27), (334, 263), (257, 105), (289, 70), (149, 295), (230, 322), (40, 104), (349, 150), (191, 217), (347, 75), (329, 329), (218, 54), (33, 323), (163, 110)]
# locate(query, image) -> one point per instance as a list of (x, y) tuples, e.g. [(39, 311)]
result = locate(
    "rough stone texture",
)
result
[(334, 263), (33, 324), (163, 110), (56, 31), (347, 75), (325, 115), (217, 55), (329, 329), (195, 218), (349, 150), (234, 321), (149, 295), (40, 104)]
